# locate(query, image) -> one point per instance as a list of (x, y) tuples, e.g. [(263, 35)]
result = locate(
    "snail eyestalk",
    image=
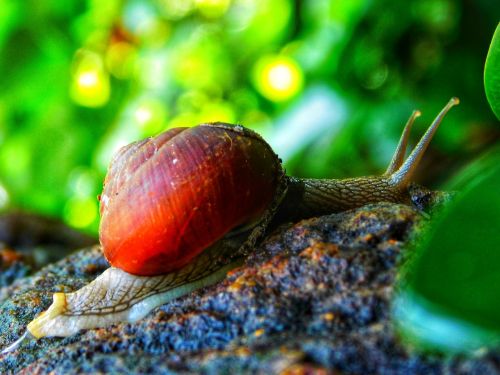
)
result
[(399, 154), (402, 177)]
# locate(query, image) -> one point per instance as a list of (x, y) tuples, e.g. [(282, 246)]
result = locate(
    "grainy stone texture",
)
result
[(314, 296)]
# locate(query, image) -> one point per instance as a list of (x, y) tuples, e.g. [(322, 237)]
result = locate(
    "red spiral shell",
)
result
[(167, 198)]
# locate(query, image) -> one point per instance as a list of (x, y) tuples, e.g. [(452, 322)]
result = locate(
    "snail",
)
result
[(181, 209)]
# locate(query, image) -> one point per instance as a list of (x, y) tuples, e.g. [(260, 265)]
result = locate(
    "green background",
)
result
[(329, 83)]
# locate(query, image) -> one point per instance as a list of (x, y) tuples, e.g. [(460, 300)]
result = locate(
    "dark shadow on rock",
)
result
[(29, 241)]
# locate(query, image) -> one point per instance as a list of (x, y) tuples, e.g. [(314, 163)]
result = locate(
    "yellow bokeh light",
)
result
[(212, 8), (217, 112), (88, 79), (278, 78), (154, 33), (175, 9), (90, 86), (150, 116), (81, 212), (143, 115)]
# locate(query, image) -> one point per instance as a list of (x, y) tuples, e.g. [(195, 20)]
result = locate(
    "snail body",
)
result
[(181, 209)]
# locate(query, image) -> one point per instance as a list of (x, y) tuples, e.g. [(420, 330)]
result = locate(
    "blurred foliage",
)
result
[(329, 83), (492, 73), (448, 298)]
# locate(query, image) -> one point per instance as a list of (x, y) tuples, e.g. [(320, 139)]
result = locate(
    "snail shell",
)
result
[(168, 198)]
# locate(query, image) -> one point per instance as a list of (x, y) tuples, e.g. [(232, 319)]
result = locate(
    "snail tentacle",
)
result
[(399, 154), (402, 177), (25, 337)]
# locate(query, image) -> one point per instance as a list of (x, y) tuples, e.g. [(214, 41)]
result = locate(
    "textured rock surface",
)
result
[(315, 295)]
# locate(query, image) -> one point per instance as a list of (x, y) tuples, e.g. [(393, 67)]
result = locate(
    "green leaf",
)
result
[(492, 73), (449, 297)]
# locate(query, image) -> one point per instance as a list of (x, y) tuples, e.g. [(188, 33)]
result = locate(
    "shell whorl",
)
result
[(168, 198)]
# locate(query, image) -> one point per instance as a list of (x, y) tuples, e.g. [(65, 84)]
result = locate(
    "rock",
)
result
[(29, 241), (314, 296)]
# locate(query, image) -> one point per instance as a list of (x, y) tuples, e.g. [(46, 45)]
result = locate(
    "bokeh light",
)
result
[(150, 116), (278, 78), (90, 86), (217, 111), (257, 24), (175, 9), (82, 182), (212, 8), (4, 197), (81, 212), (142, 20), (15, 161)]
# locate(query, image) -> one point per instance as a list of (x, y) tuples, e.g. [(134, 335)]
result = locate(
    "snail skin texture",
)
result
[(181, 209)]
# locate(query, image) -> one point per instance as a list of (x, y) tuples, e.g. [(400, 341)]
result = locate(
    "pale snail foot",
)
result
[(114, 297), (101, 303)]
